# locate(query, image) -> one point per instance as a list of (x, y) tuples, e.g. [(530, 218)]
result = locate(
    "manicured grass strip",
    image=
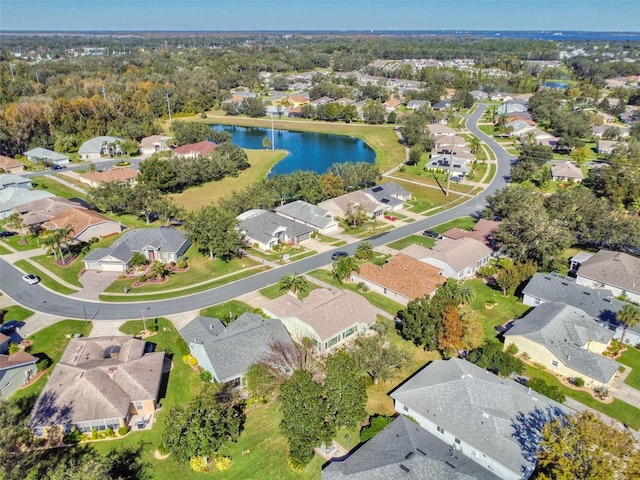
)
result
[(15, 312), (4, 250), (631, 358), (224, 311), (183, 292), (423, 241), (53, 186), (492, 173), (15, 242), (68, 273), (46, 280)]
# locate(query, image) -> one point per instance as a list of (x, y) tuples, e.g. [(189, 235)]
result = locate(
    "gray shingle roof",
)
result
[(565, 331), (40, 152), (262, 226), (13, 197), (496, 416), (232, 350), (307, 212), (598, 303), (161, 239), (613, 268), (94, 145), (403, 442), (388, 193)]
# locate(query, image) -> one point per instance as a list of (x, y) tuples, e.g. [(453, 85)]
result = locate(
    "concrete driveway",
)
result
[(94, 283)]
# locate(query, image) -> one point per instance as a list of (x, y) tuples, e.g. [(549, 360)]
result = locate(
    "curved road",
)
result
[(41, 299)]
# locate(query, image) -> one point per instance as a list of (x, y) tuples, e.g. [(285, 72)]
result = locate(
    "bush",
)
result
[(122, 431), (579, 382), (43, 364), (376, 423), (205, 376), (73, 437), (198, 464), (223, 464), (551, 391)]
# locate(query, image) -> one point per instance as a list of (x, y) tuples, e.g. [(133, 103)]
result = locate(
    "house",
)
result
[(321, 101), (448, 143), (441, 163), (511, 107), (519, 127), (577, 260), (98, 147), (10, 180), (9, 165), (566, 172), (4, 343), (616, 271), (12, 197), (85, 224), (44, 155), (327, 317), (153, 144), (162, 244), (121, 175), (598, 130), (310, 215), (267, 229), (493, 421), (227, 352), (457, 259), (390, 195), (194, 150), (401, 278), (298, 99), (100, 383), (441, 105), (295, 112), (567, 341), (403, 449), (479, 95), (607, 146), (342, 205), (15, 370), (598, 303), (37, 212), (482, 231), (437, 129), (416, 105)]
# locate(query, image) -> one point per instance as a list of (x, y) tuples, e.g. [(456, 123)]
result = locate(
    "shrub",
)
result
[(205, 376), (43, 364), (122, 431), (109, 432), (193, 362), (551, 391), (376, 423), (198, 464), (223, 463), (363, 287), (73, 437), (579, 382), (14, 348)]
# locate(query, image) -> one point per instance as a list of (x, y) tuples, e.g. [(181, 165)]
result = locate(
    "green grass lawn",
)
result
[(68, 273), (4, 250), (465, 223), (631, 358), (16, 242), (224, 311), (45, 279), (15, 312), (421, 240), (53, 186)]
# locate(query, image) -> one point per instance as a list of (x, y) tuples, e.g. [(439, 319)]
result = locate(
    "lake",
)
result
[(307, 150)]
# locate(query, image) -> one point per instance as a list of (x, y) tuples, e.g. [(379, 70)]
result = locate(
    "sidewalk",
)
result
[(35, 252)]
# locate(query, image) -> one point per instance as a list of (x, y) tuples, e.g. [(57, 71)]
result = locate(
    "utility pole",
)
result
[(273, 141), (37, 78), (168, 107), (13, 77), (450, 165), (144, 320)]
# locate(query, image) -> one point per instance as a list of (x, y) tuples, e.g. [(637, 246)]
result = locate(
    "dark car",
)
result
[(339, 255), (10, 326), (431, 234), (58, 167), (5, 233)]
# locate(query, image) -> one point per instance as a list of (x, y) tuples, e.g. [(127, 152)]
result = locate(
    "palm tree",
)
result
[(465, 294), (474, 145), (343, 267), (15, 223), (159, 269), (628, 316), (64, 235), (294, 283), (364, 251), (51, 243)]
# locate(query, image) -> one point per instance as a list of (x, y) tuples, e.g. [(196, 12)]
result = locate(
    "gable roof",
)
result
[(38, 211), (111, 175), (342, 203), (617, 269), (79, 219), (307, 212), (94, 145), (597, 303), (481, 231), (15, 359), (11, 180), (233, 349), (153, 141), (326, 312), (11, 197), (496, 416), (405, 275), (566, 169), (403, 443), (40, 153), (98, 378), (201, 148), (9, 163), (164, 239), (389, 194), (262, 225), (459, 254), (565, 331)]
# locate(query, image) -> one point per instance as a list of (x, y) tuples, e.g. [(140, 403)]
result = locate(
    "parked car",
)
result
[(5, 233), (10, 326), (339, 255), (431, 234), (390, 218), (58, 167), (30, 278), (456, 179)]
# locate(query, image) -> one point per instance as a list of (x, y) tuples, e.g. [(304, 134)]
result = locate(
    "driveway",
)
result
[(94, 283)]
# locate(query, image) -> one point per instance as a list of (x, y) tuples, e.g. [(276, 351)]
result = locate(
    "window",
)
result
[(139, 405), (440, 430), (554, 363), (405, 408)]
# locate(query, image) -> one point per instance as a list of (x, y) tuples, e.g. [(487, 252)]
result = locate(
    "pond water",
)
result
[(556, 85), (306, 150)]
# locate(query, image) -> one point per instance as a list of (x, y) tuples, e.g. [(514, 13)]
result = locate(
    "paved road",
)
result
[(41, 299)]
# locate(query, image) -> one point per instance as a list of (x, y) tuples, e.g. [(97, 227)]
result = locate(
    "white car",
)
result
[(30, 278)]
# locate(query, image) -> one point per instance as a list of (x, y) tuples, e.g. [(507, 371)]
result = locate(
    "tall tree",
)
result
[(343, 267), (214, 231), (450, 341), (364, 250), (14, 222), (377, 357), (306, 422), (294, 283), (345, 389), (628, 316)]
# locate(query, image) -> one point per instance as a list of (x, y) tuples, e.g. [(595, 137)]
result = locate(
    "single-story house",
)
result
[(227, 352), (10, 165), (457, 259), (448, 143), (402, 278), (520, 127), (12, 197), (496, 422), (482, 231), (342, 205), (510, 107), (267, 229), (39, 211), (310, 215), (162, 244), (121, 175), (99, 383), (85, 224), (44, 155), (566, 172), (479, 95), (598, 130), (298, 99), (403, 449), (154, 144), (441, 163), (441, 105), (615, 271), (10, 180), (15, 370), (437, 129), (416, 105), (607, 146), (98, 147), (390, 195), (567, 341), (193, 150), (321, 101), (327, 317)]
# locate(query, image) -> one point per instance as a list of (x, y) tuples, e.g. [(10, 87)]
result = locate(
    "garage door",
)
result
[(111, 266)]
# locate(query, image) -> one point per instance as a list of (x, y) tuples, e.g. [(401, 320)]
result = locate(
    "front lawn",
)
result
[(423, 241), (53, 186), (631, 358), (15, 312), (45, 279), (226, 311), (465, 223)]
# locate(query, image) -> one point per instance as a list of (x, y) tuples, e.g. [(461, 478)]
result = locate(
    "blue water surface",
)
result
[(307, 150)]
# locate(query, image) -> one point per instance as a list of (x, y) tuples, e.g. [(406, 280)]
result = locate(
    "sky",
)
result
[(281, 15)]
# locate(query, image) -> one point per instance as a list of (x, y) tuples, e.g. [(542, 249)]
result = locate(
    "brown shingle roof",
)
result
[(113, 175), (480, 231), (201, 148), (460, 254), (404, 275), (17, 358), (6, 162), (77, 218)]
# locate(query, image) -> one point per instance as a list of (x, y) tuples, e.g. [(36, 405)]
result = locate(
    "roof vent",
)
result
[(409, 455), (406, 469), (451, 465)]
